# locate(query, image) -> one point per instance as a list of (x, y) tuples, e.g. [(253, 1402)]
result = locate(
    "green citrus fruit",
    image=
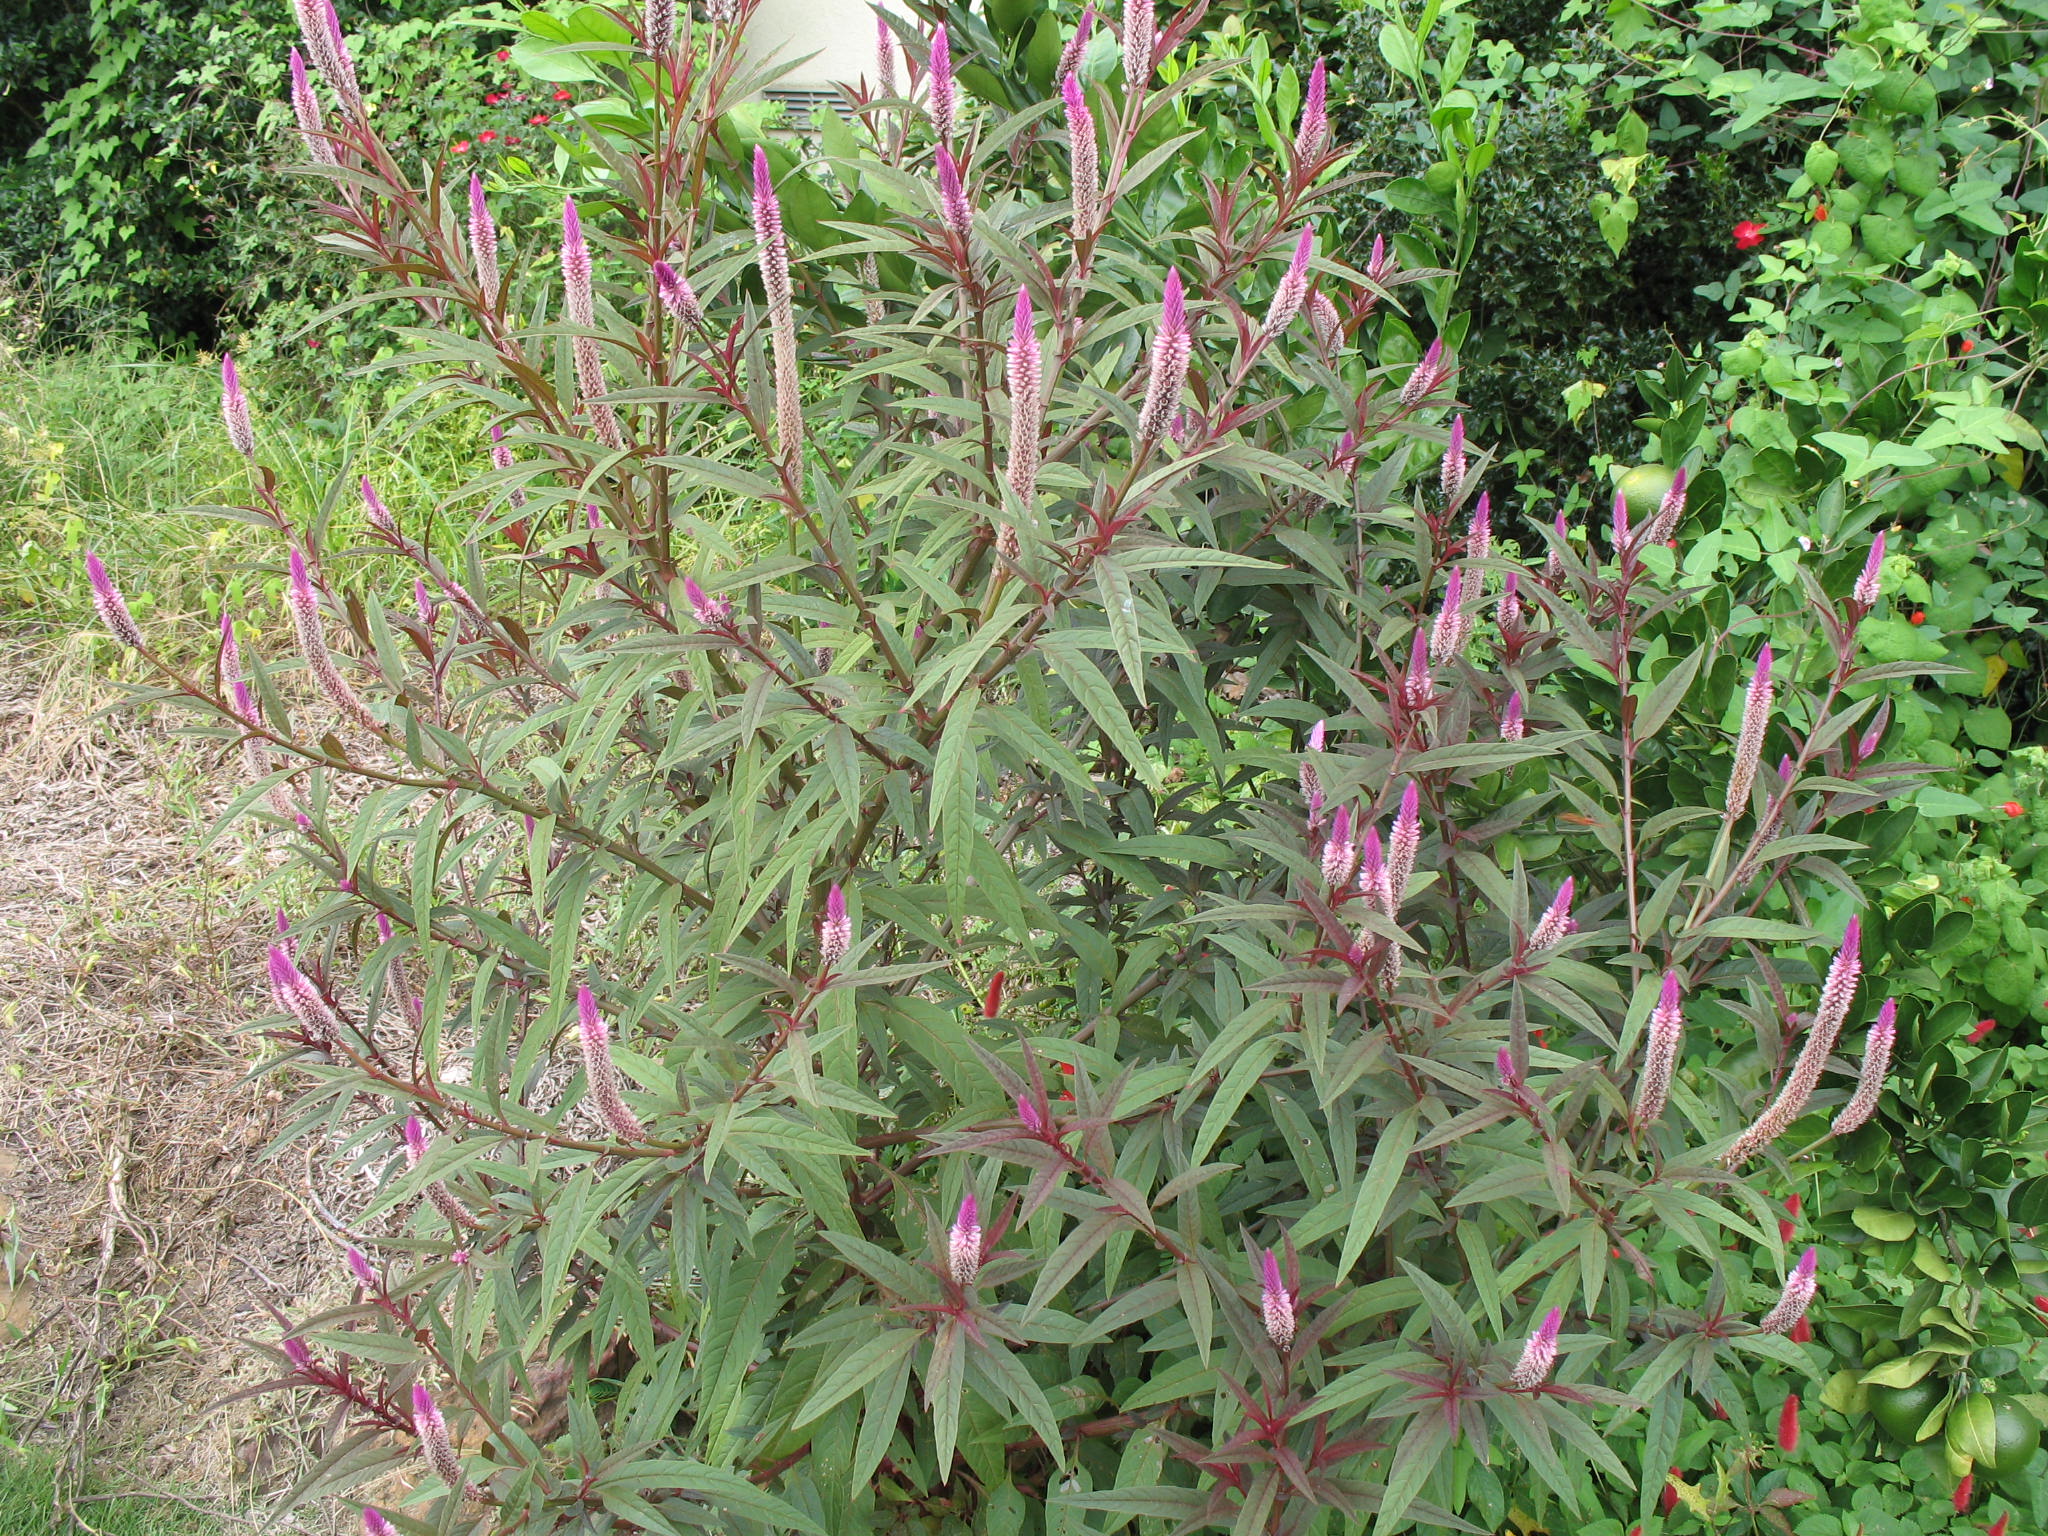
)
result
[(1900, 1411), (1645, 487), (2018, 1437)]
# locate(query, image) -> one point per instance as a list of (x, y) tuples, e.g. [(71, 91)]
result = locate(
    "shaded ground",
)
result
[(141, 1230)]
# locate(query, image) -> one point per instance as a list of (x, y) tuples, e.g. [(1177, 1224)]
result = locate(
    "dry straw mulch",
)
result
[(142, 1230)]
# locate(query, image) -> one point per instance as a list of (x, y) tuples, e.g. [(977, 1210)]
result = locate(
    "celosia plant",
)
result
[(961, 898)]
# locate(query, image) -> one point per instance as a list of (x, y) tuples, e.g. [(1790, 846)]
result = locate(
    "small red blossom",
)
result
[(992, 1004), (1788, 1426), (2041, 1302), (1982, 1028), (1997, 1527), (564, 95), (1667, 1501), (1966, 1490), (460, 147), (537, 119), (1785, 1230), (504, 54), (1968, 345), (512, 139), (1820, 213), (492, 98), (487, 137), (1794, 1205), (1919, 616), (1802, 1332), (1748, 235), (2013, 808)]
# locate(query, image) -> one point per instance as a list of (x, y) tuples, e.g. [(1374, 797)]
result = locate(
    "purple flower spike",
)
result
[(1314, 131), (483, 240), (1403, 844), (1669, 510), (295, 1351), (944, 103), (1025, 375), (1340, 853), (1326, 322), (108, 603), (677, 296), (1797, 1297), (963, 1244), (1028, 1115), (1172, 347), (415, 1141), (359, 1266), (1275, 1304), (1070, 56), (1749, 744), (1379, 266), (379, 514), (1877, 1060), (772, 253), (1085, 168), (1660, 1058), (1556, 922), (1453, 626), (578, 302), (306, 108), (1479, 536), (1292, 293), (953, 205), (1539, 1355), (435, 1443), (1427, 374), (1372, 873), (709, 612), (1621, 527), (312, 634), (234, 410), (375, 1524), (602, 1072), (301, 999), (835, 934), (1837, 993), (1513, 726), (1865, 594), (885, 54), (1451, 477)]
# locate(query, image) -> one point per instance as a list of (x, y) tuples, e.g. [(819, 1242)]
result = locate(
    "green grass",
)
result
[(28, 1485)]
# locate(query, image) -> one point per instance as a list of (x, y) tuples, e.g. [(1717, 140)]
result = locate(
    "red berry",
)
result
[(2041, 1302), (1788, 1425), (2013, 808), (1919, 616)]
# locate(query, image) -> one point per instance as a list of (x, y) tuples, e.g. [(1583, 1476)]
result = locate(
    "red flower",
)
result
[(992, 1004), (1997, 1527), (1802, 1332), (492, 98), (1788, 1425), (1965, 1491), (1748, 235), (504, 54), (2013, 808), (1667, 1501), (537, 119), (1919, 616), (1785, 1230), (2041, 1302), (1820, 213), (487, 137), (460, 146), (512, 139), (1983, 1027), (1794, 1204), (1971, 346), (563, 95)]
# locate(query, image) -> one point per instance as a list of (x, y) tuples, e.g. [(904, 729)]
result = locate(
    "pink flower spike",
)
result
[(1172, 348), (1316, 736), (1025, 377), (435, 1443), (1418, 689), (1509, 610), (301, 999), (1556, 922), (885, 54), (1479, 536), (1292, 293), (1749, 743), (953, 205), (1660, 1056), (1372, 873), (835, 934), (1797, 1297), (709, 612), (1340, 853), (1140, 29), (1512, 725), (483, 240), (577, 301), (1027, 1113), (601, 1072), (1403, 844), (677, 296), (1084, 166), (415, 1141), (1865, 594), (1451, 477), (660, 27), (1379, 265), (234, 410), (1425, 377), (375, 1524), (1669, 510), (304, 604), (1314, 131), (1539, 1355), (1877, 1060), (359, 1266), (1837, 993), (1276, 1306), (963, 1244), (1621, 528), (1504, 1069), (1070, 56), (108, 603), (944, 102), (379, 514), (295, 1351), (306, 108), (1447, 636)]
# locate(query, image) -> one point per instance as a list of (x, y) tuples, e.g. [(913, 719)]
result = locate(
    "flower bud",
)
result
[(1556, 922), (963, 1244), (379, 514), (1314, 130), (234, 410), (677, 296), (435, 1442), (1172, 347), (1325, 321), (835, 934), (359, 1266), (1276, 1305), (1669, 510), (1512, 726), (295, 1351), (1539, 1355), (992, 999), (601, 1072), (108, 603), (1797, 1297)]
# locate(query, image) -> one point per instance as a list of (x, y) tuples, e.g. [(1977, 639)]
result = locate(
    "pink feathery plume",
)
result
[(772, 251), (677, 296), (1275, 1305), (1418, 688), (709, 612), (1292, 293), (343, 78), (302, 1000), (110, 605), (1027, 404), (295, 1351), (305, 610), (1877, 1060), (439, 1195), (375, 1524), (1324, 320), (1451, 476), (1556, 921), (1660, 1056), (1479, 535), (1140, 30), (953, 205), (1796, 1298), (1864, 594), (1553, 562), (379, 515), (1403, 844), (1539, 1355), (1372, 874), (1314, 131), (885, 54), (963, 1244), (1749, 744), (1513, 725), (230, 653), (943, 104), (602, 1072), (1621, 527), (1340, 853), (234, 410), (660, 27), (1085, 170), (483, 241), (1172, 348), (359, 1267), (1028, 1115), (1070, 56), (1380, 264), (1509, 609), (1425, 377), (1665, 522), (306, 108), (1837, 993), (835, 933), (435, 1443), (1311, 780), (1453, 626)]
